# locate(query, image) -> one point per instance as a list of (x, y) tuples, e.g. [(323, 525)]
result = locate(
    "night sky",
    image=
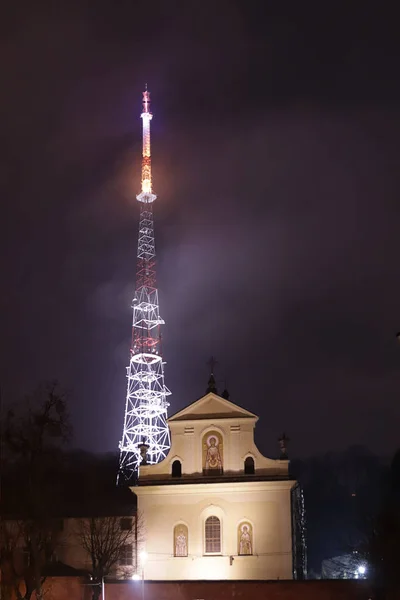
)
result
[(275, 145)]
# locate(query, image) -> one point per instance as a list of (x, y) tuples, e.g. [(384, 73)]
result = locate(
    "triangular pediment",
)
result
[(212, 406)]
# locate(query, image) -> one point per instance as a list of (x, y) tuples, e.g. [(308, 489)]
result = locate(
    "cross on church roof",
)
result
[(211, 382), (212, 362)]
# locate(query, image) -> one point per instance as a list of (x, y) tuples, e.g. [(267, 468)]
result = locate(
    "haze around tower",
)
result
[(275, 164)]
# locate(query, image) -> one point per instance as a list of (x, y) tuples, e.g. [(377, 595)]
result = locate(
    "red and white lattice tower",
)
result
[(146, 433)]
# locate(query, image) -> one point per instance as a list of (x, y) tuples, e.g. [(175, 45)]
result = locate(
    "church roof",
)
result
[(212, 406)]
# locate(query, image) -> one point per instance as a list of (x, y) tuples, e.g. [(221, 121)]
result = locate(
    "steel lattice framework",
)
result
[(145, 425)]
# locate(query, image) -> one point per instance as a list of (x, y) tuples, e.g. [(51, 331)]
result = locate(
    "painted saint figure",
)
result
[(181, 546), (245, 542), (213, 457)]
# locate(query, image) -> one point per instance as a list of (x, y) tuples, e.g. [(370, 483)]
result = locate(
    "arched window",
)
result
[(249, 466), (181, 539), (212, 535), (176, 468)]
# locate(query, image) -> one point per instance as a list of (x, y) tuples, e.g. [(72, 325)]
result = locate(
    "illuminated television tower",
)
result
[(146, 434)]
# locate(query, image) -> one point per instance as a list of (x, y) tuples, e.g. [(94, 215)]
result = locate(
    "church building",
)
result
[(215, 507)]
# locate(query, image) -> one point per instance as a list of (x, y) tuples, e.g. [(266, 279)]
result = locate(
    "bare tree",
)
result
[(26, 549), (33, 435), (9, 540), (111, 544), (37, 426), (379, 547)]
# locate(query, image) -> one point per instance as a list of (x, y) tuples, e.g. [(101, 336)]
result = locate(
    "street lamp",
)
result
[(143, 558), (361, 569), (99, 584)]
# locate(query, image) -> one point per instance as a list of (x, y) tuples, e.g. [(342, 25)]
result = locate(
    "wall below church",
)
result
[(71, 588), (244, 590)]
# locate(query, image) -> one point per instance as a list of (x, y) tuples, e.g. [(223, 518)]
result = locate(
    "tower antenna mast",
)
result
[(146, 406)]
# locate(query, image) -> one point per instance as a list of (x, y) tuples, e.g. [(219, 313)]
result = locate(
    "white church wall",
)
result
[(211, 439), (265, 505), (238, 443)]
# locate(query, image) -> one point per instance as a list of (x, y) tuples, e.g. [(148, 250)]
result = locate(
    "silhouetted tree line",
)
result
[(380, 545), (352, 502), (341, 489), (42, 482)]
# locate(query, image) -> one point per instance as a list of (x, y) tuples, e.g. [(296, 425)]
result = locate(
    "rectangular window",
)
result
[(126, 557), (213, 535), (125, 524)]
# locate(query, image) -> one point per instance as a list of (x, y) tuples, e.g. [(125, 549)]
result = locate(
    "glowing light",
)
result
[(146, 186), (146, 399), (146, 116), (136, 577), (143, 556), (362, 569)]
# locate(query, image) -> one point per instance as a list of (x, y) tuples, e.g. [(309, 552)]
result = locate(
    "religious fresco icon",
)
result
[(245, 539), (213, 461), (180, 540)]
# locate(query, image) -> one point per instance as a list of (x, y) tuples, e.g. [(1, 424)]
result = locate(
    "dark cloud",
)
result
[(275, 143)]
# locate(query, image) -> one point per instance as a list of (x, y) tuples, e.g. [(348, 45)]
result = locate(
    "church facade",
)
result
[(215, 507)]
